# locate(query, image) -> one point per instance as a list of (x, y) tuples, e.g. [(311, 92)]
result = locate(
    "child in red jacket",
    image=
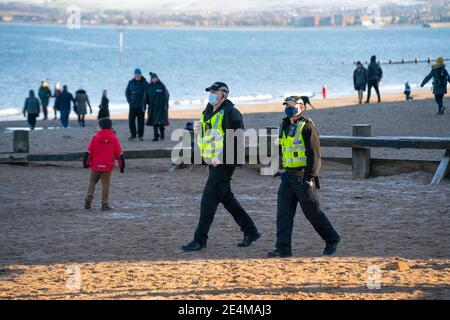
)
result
[(103, 149)]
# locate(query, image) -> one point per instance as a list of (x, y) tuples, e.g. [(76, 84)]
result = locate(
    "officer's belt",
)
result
[(298, 172)]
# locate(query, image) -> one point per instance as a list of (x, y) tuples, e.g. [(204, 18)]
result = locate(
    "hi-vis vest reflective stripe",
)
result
[(210, 141), (293, 148)]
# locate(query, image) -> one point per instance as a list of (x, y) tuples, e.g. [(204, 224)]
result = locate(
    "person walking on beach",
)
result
[(156, 97), (407, 91), (100, 155), (300, 149), (44, 94), (104, 106), (374, 76), (440, 78), (135, 97), (219, 116), (56, 93), (31, 109), (360, 80), (63, 104), (81, 104)]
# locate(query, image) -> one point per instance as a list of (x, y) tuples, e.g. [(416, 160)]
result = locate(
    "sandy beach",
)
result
[(398, 225)]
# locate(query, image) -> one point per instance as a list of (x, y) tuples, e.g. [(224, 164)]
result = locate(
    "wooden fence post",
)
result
[(361, 156), (21, 143)]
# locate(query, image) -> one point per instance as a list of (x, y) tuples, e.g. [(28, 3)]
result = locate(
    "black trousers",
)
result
[(292, 191), (161, 129), (45, 109), (218, 190), (32, 120), (138, 114), (374, 84), (439, 98), (81, 120)]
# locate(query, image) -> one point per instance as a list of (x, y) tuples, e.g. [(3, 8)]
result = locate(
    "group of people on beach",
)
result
[(64, 101), (372, 76), (140, 94)]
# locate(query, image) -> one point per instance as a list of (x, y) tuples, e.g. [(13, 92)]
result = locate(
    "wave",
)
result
[(10, 112), (74, 43)]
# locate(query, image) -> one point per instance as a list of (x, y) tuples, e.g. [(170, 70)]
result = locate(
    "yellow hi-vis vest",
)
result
[(293, 148), (210, 140)]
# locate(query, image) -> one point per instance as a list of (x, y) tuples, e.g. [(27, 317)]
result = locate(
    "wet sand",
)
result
[(133, 251)]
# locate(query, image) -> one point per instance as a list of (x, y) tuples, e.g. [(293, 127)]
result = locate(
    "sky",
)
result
[(209, 5)]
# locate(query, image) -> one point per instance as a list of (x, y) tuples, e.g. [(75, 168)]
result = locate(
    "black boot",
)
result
[(194, 246), (249, 239), (331, 247), (278, 253)]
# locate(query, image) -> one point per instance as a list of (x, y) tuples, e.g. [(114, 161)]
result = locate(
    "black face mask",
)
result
[(291, 111)]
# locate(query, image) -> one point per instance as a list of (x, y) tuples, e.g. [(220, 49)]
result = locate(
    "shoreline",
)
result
[(253, 28), (251, 108)]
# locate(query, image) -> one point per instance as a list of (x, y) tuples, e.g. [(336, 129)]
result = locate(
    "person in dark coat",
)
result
[(56, 93), (300, 154), (440, 78), (374, 76), (104, 106), (219, 116), (31, 109), (360, 80), (81, 104), (44, 94), (135, 97), (63, 104), (156, 97)]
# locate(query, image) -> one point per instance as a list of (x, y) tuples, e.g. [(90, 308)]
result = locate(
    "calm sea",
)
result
[(258, 65)]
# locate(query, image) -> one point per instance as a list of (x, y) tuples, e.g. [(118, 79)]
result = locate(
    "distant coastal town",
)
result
[(427, 14)]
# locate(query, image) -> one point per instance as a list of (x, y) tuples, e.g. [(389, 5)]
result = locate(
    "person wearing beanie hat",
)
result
[(300, 153), (360, 80), (440, 78), (135, 94)]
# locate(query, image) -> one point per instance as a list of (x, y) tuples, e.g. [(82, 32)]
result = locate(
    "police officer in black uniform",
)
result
[(219, 115), (300, 150)]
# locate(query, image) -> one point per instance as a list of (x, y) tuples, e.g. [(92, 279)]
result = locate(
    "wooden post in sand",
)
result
[(21, 143), (361, 156)]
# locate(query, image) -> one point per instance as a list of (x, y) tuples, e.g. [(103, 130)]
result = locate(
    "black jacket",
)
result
[(135, 93), (312, 146), (374, 71), (232, 119), (156, 96), (64, 100)]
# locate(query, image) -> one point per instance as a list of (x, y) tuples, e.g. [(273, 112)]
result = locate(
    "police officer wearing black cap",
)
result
[(300, 149), (219, 116)]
